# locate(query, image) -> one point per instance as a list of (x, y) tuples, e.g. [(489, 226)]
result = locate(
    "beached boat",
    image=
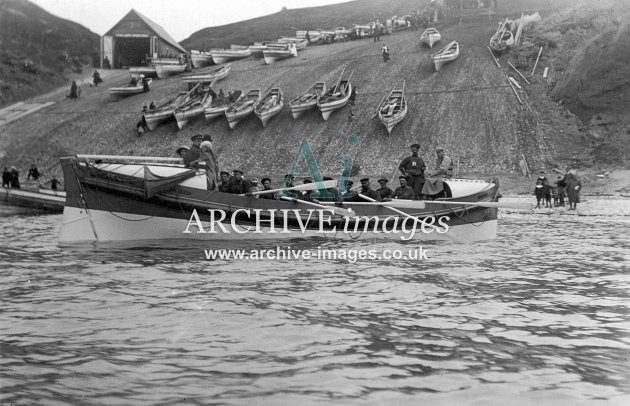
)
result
[(393, 109), (242, 108), (166, 70), (502, 39), (141, 198), (165, 111), (200, 59), (135, 86), (300, 43), (307, 100), (217, 108), (47, 200), (146, 71), (257, 49), (447, 54), (269, 105), (225, 55), (213, 75), (430, 36), (195, 106), (336, 97), (277, 51)]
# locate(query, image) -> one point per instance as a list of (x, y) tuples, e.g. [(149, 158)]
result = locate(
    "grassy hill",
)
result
[(467, 107), (38, 50)]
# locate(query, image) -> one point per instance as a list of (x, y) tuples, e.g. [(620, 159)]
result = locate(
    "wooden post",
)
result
[(494, 58), (517, 71), (514, 90), (534, 70)]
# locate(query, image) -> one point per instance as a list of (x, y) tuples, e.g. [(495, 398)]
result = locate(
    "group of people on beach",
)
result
[(567, 186), (11, 177)]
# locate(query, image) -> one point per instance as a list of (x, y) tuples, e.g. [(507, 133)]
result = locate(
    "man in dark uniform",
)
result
[(413, 168), (367, 191), (224, 186), (266, 183), (349, 195), (238, 184), (6, 178), (404, 191), (384, 191), (191, 159)]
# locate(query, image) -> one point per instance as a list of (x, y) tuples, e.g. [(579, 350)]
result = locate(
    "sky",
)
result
[(179, 18)]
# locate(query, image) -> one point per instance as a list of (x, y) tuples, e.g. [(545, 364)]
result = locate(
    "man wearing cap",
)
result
[(367, 191), (384, 191), (224, 185), (332, 195), (350, 195), (238, 184), (404, 191), (182, 151), (266, 184), (413, 168), (191, 160)]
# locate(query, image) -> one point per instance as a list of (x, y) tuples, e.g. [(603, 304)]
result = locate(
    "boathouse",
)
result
[(134, 40)]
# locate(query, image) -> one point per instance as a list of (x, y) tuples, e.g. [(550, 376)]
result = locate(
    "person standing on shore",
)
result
[(6, 178), (574, 186), (561, 191)]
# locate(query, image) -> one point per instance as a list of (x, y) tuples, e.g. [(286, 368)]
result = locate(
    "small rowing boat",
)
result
[(447, 54), (146, 71), (135, 86), (164, 71), (220, 56), (502, 39), (429, 37), (337, 97), (165, 110), (195, 106), (213, 75), (243, 107), (277, 51), (300, 43), (217, 107), (307, 100), (270, 105), (393, 109), (200, 59)]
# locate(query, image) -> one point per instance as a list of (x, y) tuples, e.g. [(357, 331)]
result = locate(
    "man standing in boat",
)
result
[(191, 159), (413, 168)]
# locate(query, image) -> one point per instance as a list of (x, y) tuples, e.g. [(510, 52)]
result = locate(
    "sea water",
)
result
[(537, 316)]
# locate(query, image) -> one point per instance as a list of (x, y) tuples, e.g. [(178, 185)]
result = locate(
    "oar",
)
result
[(343, 212), (307, 186), (339, 80), (402, 95), (402, 203), (499, 205), (452, 237)]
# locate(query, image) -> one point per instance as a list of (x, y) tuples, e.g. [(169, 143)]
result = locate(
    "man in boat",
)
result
[(404, 191), (182, 151), (266, 184), (413, 168), (434, 188), (367, 191), (211, 164), (238, 184), (224, 185), (333, 194), (305, 194), (384, 191), (350, 195), (191, 159)]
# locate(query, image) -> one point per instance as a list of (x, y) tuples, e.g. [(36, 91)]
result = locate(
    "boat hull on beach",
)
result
[(147, 71), (447, 54), (220, 56), (164, 71), (200, 59), (128, 90), (192, 108), (308, 100), (213, 76), (270, 105), (165, 110), (159, 199), (243, 107), (393, 110), (335, 98), (430, 36)]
